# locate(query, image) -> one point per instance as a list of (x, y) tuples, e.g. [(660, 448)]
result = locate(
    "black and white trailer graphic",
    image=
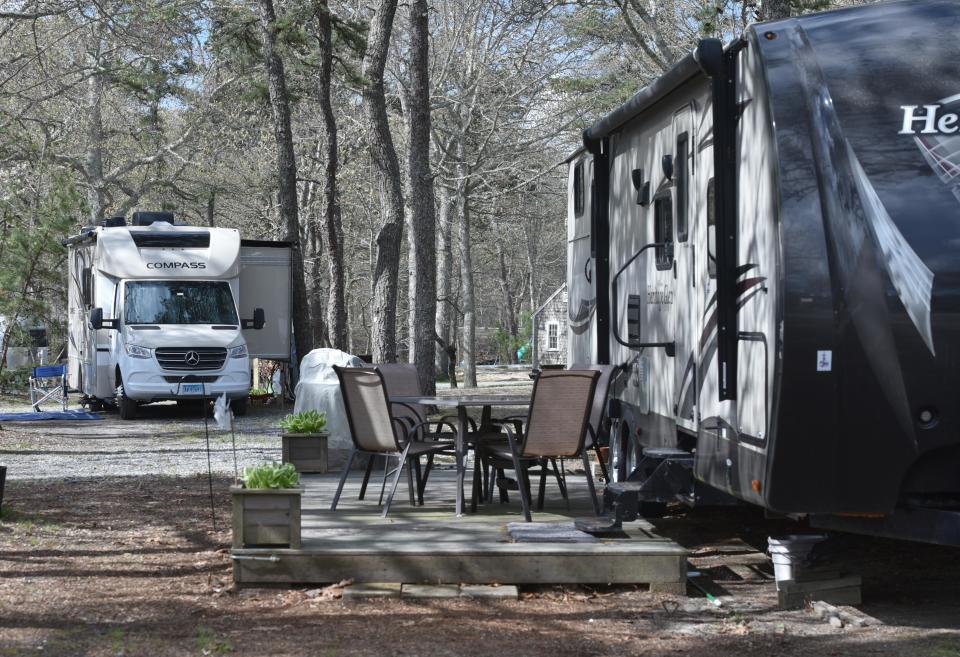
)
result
[(767, 240)]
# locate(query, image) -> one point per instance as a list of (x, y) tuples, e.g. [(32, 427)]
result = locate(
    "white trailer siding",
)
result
[(265, 283)]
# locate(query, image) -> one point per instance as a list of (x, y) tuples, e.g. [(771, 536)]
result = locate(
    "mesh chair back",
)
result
[(599, 408), (402, 380), (559, 411), (365, 398)]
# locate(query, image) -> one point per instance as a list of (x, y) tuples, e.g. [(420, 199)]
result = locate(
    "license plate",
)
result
[(191, 389)]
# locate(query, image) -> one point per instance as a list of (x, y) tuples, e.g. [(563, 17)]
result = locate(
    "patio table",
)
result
[(462, 402)]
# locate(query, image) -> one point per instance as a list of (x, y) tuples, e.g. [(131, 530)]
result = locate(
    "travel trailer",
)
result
[(766, 240), (159, 311)]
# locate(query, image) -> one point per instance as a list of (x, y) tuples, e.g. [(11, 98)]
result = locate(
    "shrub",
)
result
[(304, 422), (270, 475)]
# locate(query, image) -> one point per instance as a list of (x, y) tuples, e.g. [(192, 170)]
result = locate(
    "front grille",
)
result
[(191, 378), (176, 358)]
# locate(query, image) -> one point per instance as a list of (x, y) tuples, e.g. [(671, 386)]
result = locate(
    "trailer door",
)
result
[(581, 281), (685, 390), (265, 283)]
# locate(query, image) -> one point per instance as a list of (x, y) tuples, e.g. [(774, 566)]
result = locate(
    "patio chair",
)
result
[(598, 413), (48, 383), (402, 379), (375, 431), (557, 426)]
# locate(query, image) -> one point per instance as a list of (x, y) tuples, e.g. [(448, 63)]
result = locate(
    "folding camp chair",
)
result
[(48, 383)]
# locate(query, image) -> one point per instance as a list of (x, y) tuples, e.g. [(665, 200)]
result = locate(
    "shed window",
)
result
[(578, 190), (682, 176), (663, 230), (553, 336)]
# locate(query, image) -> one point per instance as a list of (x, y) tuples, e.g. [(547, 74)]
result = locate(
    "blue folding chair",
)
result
[(48, 383)]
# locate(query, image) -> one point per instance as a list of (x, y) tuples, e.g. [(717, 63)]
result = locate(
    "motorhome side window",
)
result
[(86, 286), (663, 230), (683, 177), (578, 190), (179, 302), (711, 230)]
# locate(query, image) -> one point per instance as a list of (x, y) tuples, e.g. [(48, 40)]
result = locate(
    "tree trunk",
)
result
[(96, 192), (287, 170), (211, 209), (445, 277), (466, 272), (330, 206), (775, 9), (423, 218), (386, 272), (533, 262), (508, 317)]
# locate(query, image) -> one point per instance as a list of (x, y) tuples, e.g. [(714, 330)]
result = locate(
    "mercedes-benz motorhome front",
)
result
[(155, 313)]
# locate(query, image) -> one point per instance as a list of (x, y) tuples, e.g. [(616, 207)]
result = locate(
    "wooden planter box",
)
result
[(306, 451), (264, 517)]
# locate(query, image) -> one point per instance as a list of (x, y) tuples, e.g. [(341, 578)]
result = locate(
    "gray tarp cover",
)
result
[(319, 390)]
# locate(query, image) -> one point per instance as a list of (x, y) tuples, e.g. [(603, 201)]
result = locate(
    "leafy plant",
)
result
[(256, 392), (270, 475), (304, 422), (15, 380)]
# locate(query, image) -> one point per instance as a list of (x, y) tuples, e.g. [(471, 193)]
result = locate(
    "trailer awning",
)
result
[(679, 73)]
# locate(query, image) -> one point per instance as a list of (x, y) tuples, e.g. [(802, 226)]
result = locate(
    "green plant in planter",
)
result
[(270, 475), (304, 422)]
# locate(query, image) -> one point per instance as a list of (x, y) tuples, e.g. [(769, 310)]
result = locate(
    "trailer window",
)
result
[(682, 176), (578, 190), (663, 230), (179, 302), (711, 230)]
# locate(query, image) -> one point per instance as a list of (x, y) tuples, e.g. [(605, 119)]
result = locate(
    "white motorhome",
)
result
[(159, 311)]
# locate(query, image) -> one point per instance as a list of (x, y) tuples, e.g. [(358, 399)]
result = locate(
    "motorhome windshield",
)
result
[(179, 302)]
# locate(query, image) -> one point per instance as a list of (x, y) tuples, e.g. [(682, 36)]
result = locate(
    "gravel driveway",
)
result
[(165, 440)]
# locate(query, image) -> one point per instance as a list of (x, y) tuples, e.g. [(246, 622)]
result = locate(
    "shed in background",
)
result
[(550, 330)]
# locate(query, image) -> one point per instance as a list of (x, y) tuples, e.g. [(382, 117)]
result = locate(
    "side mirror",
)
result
[(258, 321), (98, 322)]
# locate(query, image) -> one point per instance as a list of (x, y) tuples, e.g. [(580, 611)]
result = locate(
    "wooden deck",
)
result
[(430, 544)]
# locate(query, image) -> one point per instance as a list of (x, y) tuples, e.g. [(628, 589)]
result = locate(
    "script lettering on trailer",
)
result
[(929, 120)]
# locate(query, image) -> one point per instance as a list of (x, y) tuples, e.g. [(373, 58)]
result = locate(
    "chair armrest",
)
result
[(454, 418), (409, 407), (416, 427), (511, 439), (516, 420)]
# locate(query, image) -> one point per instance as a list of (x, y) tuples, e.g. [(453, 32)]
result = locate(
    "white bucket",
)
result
[(788, 552)]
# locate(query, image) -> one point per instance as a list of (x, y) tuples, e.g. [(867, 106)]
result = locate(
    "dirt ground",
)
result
[(132, 565)]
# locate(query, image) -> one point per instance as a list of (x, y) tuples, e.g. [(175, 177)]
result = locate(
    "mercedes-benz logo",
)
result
[(191, 358)]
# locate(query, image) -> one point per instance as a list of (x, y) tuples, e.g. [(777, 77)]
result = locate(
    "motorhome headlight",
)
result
[(240, 351), (136, 351)]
